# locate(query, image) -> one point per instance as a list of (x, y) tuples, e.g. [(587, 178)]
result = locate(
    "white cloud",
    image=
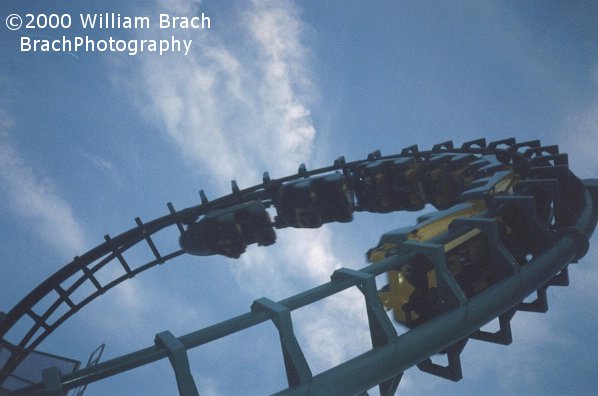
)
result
[(235, 109), (335, 329), (586, 273), (581, 126), (98, 162), (103, 165), (299, 257), (35, 200)]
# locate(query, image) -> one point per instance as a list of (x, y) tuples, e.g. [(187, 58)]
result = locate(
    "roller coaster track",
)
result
[(512, 218)]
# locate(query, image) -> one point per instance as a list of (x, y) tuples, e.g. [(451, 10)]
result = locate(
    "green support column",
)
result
[(298, 371), (177, 354)]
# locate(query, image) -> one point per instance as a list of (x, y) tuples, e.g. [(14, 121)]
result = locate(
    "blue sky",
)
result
[(89, 141)]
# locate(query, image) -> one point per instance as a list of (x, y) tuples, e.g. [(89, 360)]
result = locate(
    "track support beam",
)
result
[(453, 370), (177, 354), (503, 336), (381, 329), (298, 371)]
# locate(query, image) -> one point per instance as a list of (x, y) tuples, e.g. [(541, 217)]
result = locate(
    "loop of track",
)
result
[(522, 156)]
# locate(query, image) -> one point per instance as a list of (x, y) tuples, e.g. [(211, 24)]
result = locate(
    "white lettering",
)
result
[(182, 22), (25, 44), (88, 21), (164, 21)]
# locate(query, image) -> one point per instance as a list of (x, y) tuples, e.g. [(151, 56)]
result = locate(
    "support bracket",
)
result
[(298, 371), (503, 336), (453, 370), (177, 354), (381, 329), (52, 382), (539, 305)]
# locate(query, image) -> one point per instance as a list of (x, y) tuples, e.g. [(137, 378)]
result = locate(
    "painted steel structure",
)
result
[(515, 188)]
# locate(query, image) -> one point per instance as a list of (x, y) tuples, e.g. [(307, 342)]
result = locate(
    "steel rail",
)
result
[(382, 363), (113, 248)]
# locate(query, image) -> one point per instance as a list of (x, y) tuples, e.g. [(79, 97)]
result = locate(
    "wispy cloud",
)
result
[(581, 128), (237, 108), (98, 162), (35, 200), (103, 165)]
